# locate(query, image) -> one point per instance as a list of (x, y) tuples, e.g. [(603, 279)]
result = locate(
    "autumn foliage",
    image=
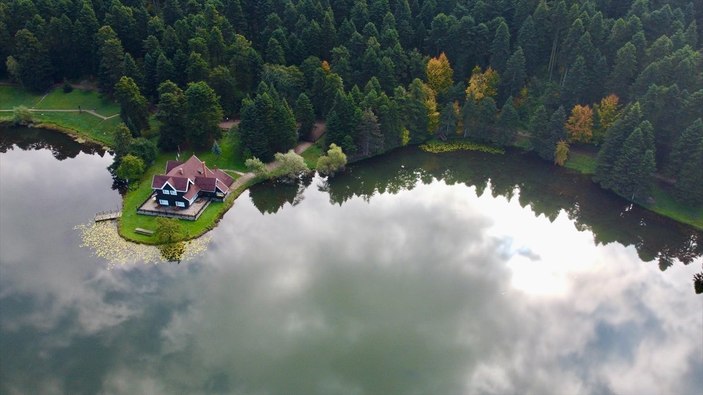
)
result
[(561, 153), (608, 112), (580, 124), (482, 84), (439, 73)]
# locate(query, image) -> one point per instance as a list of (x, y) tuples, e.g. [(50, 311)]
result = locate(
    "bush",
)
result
[(290, 166), (21, 116), (256, 166), (334, 161), (67, 87)]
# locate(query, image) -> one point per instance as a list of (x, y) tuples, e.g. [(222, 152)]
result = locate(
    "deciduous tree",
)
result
[(439, 74), (482, 84), (580, 124), (561, 153)]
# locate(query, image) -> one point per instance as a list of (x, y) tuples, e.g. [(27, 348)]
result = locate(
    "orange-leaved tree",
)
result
[(482, 84), (580, 124)]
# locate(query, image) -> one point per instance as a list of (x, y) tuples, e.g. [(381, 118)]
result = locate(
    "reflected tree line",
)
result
[(547, 190), (61, 146)]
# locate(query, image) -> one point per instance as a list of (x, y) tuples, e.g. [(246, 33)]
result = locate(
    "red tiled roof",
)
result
[(170, 165), (179, 173), (192, 192)]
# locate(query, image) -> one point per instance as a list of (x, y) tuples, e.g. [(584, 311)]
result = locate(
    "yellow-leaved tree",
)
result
[(439, 73), (561, 153), (431, 106), (608, 111), (580, 124), (482, 84)]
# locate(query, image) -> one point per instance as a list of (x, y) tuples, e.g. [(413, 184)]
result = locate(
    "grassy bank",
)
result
[(230, 159), (437, 146), (664, 203), (80, 125)]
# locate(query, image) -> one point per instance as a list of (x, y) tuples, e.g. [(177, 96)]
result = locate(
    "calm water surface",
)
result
[(410, 274)]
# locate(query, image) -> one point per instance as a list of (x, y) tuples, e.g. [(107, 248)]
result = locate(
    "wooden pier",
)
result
[(107, 215)]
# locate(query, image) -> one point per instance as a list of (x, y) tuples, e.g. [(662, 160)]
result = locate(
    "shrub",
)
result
[(334, 161), (21, 116)]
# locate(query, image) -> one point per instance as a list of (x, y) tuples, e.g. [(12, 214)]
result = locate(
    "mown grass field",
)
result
[(582, 162), (78, 124), (312, 154)]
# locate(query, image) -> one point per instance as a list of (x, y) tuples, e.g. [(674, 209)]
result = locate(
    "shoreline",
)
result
[(82, 138)]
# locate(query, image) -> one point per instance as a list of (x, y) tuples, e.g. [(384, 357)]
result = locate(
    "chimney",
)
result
[(180, 170), (204, 172)]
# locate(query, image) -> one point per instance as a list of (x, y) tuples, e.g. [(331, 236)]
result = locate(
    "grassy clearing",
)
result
[(12, 96), (312, 154), (83, 124), (87, 100), (668, 207), (582, 162), (436, 147)]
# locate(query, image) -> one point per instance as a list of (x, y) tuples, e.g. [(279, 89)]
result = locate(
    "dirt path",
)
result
[(245, 177)]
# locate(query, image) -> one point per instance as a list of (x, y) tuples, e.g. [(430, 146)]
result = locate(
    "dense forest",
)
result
[(622, 76)]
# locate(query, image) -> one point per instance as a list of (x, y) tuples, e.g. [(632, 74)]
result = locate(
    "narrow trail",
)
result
[(245, 177), (91, 112)]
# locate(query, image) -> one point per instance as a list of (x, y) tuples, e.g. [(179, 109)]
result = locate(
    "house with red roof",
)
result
[(184, 182)]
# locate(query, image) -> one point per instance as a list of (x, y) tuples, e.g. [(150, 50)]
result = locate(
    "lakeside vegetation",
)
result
[(437, 147), (624, 78)]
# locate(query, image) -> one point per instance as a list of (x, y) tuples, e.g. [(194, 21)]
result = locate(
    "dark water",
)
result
[(411, 274)]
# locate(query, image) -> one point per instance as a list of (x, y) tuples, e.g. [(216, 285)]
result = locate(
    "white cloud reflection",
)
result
[(430, 291)]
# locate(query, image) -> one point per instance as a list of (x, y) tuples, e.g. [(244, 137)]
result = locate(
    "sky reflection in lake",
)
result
[(430, 291)]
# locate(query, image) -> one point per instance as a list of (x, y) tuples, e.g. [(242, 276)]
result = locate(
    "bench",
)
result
[(143, 231)]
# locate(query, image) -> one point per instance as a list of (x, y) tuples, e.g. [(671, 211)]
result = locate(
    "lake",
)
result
[(413, 273)]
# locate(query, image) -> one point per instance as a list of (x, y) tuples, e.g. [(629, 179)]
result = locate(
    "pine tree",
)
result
[(634, 166), (133, 106), (111, 65), (508, 122), (540, 134), (171, 114), (305, 114), (613, 144), (684, 148), (527, 40), (203, 115), (575, 82), (514, 75), (689, 180), (35, 68), (500, 48), (624, 70)]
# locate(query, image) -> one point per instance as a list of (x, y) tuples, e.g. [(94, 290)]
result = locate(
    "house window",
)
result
[(180, 204), (168, 192), (163, 202)]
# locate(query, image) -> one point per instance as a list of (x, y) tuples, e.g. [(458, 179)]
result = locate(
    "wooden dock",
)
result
[(107, 215)]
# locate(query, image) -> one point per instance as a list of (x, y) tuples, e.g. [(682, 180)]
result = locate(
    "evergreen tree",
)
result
[(500, 48), (368, 132), (689, 180), (305, 114), (122, 141), (684, 148), (624, 71), (540, 135), (613, 144), (203, 115), (527, 40), (341, 123), (111, 65), (34, 65), (133, 106), (575, 83), (225, 86), (515, 75), (171, 115), (448, 119), (508, 122), (634, 166)]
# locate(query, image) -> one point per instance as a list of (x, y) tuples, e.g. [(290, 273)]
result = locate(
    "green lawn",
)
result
[(12, 96), (668, 207), (582, 162), (312, 154), (229, 159), (81, 124), (87, 100)]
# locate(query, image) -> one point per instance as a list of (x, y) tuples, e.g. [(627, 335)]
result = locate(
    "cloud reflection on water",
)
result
[(430, 291)]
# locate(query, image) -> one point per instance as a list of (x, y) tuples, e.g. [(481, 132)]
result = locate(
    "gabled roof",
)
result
[(180, 174)]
